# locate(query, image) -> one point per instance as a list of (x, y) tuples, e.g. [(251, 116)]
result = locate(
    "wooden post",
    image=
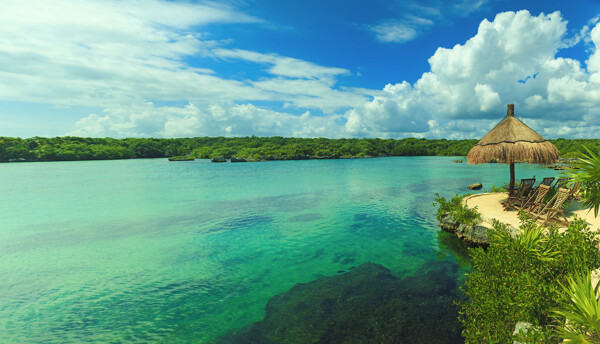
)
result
[(511, 185), (510, 112)]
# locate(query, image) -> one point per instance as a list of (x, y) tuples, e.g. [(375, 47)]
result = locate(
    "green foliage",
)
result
[(180, 158), (494, 188), (456, 209), (581, 309), (536, 335), (519, 277), (260, 148), (572, 155), (588, 174)]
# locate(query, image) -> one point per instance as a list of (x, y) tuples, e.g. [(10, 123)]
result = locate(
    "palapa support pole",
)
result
[(511, 185), (510, 112)]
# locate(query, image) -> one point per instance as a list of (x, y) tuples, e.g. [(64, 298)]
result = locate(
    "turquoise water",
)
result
[(158, 251)]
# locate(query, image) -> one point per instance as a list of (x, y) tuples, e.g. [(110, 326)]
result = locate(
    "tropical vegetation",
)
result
[(581, 310), (253, 147), (587, 172), (460, 212), (521, 278)]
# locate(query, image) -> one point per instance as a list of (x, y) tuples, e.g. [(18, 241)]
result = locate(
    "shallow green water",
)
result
[(158, 251)]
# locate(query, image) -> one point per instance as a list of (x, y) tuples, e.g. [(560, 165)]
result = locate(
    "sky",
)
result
[(310, 68)]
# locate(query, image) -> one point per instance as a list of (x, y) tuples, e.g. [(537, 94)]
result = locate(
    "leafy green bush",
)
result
[(494, 188), (454, 207), (86, 148), (572, 155), (519, 277), (588, 174), (581, 309)]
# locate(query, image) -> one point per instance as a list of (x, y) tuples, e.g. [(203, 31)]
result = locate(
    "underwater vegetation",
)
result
[(365, 305)]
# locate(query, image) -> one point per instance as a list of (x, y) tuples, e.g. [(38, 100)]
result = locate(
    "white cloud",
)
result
[(94, 53), (511, 59), (400, 31), (394, 32), (281, 65), (466, 7), (418, 16), (488, 99), (126, 57), (119, 56), (190, 120)]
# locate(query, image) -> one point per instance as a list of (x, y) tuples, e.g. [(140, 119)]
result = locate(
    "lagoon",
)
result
[(148, 250)]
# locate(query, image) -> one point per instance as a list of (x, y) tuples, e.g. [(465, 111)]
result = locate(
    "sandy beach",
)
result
[(490, 207)]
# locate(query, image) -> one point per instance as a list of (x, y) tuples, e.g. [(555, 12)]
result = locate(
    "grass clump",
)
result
[(456, 209), (520, 277)]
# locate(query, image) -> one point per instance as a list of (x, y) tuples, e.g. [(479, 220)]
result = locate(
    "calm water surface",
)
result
[(158, 251)]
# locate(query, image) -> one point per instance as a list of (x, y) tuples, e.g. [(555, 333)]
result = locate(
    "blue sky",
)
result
[(434, 69)]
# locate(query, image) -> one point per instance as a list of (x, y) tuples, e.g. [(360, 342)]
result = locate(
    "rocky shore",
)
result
[(475, 235)]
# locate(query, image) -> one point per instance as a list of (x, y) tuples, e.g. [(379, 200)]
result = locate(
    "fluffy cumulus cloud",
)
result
[(215, 120), (511, 59), (129, 59)]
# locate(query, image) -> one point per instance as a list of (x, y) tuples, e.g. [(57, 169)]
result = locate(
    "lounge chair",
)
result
[(536, 202), (561, 182), (574, 190), (522, 194), (552, 209), (524, 181), (546, 181)]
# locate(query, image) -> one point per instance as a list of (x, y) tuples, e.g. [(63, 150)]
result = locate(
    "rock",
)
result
[(218, 159), (297, 157), (236, 159), (474, 235), (459, 161), (493, 161), (475, 186), (365, 305), (478, 235), (522, 326), (513, 231), (181, 158), (559, 167)]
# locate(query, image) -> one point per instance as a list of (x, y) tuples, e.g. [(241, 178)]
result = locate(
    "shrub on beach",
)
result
[(520, 277), (580, 308), (454, 207), (587, 173)]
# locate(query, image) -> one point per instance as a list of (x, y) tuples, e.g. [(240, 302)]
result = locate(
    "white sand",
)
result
[(490, 207)]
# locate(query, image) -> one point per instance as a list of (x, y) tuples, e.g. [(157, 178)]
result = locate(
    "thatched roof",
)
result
[(513, 141)]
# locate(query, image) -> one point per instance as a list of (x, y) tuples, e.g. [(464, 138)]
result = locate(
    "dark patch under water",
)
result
[(365, 305), (373, 225), (305, 217), (243, 222), (344, 258)]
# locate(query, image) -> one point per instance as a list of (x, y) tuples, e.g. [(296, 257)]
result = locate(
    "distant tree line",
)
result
[(258, 148)]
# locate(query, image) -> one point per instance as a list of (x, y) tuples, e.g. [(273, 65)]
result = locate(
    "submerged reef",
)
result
[(366, 305)]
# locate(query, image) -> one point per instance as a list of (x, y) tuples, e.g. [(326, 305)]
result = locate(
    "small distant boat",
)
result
[(181, 158)]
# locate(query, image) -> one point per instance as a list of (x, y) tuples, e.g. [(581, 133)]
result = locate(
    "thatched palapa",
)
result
[(512, 141), (543, 153)]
